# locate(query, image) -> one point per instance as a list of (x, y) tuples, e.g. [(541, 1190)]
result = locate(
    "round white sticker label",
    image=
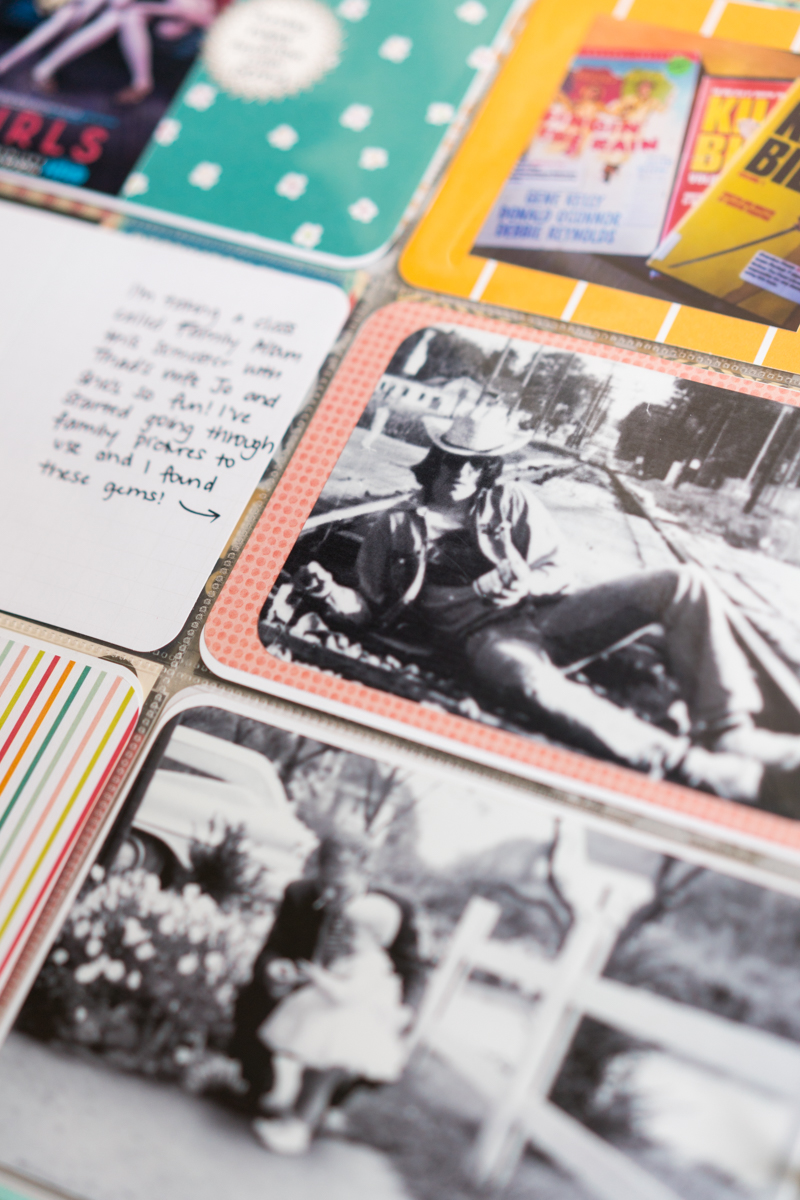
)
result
[(267, 49)]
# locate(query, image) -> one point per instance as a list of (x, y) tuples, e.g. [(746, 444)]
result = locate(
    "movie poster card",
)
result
[(528, 995), (726, 113), (84, 83), (741, 241), (600, 591), (310, 127), (599, 171)]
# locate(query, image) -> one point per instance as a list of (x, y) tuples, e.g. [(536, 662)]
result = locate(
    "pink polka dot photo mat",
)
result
[(232, 649)]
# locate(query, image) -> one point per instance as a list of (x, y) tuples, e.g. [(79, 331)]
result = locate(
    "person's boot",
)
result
[(283, 1135)]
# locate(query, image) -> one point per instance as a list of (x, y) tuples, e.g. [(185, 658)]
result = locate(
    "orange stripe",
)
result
[(36, 725)]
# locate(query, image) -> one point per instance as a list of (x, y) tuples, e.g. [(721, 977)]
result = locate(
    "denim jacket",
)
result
[(511, 526)]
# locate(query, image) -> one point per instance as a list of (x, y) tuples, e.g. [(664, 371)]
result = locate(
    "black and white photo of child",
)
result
[(346, 1020), (356, 970), (303, 967)]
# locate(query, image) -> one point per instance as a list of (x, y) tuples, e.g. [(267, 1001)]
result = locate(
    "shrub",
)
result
[(227, 872), (144, 976)]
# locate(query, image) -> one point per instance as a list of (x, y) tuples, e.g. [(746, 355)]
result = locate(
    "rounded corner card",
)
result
[(164, 394), (588, 195), (573, 562)]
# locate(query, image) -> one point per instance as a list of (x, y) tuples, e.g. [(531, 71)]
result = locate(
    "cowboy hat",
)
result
[(487, 434)]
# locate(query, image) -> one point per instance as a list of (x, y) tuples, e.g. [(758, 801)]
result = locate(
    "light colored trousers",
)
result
[(520, 658)]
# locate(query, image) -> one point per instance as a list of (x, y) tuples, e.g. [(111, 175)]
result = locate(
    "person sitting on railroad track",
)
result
[(480, 563)]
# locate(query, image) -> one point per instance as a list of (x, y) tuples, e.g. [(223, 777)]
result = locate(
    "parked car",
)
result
[(203, 787)]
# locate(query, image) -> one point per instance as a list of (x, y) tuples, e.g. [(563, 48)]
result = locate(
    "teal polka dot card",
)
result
[(311, 126)]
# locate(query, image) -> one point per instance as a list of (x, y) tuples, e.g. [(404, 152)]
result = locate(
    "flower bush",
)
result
[(147, 977)]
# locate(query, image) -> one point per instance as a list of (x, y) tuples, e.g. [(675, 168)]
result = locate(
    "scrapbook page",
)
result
[(494, 890), (573, 561), (169, 379), (578, 162), (376, 975)]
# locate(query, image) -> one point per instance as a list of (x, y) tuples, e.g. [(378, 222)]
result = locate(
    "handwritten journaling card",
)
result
[(144, 389)]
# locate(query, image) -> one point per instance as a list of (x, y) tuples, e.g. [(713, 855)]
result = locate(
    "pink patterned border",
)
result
[(231, 637)]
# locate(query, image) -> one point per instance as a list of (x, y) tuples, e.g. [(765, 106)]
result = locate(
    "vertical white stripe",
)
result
[(763, 349), (795, 46), (486, 274), (713, 18), (667, 323), (574, 300), (622, 8)]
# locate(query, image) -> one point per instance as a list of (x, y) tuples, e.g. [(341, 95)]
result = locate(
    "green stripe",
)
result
[(2, 660), (76, 688), (57, 755)]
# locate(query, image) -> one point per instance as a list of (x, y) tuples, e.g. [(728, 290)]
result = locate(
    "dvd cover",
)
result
[(726, 113), (742, 241), (598, 174)]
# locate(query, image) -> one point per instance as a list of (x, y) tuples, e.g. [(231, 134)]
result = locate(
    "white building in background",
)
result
[(444, 397)]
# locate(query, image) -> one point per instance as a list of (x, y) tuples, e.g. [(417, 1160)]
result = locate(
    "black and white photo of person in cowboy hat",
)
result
[(480, 563)]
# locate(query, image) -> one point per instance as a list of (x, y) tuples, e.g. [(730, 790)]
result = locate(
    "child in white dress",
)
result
[(349, 1016)]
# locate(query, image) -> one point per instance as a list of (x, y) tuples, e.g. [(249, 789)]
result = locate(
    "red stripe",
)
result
[(30, 704), (71, 840)]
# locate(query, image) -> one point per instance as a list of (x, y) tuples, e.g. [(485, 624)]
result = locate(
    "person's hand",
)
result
[(314, 580), (514, 588), (281, 976), (502, 585), (313, 973)]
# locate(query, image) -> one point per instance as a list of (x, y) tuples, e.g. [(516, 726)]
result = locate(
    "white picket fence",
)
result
[(569, 988)]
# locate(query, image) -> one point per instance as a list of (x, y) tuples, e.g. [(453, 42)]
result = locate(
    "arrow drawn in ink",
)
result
[(210, 512)]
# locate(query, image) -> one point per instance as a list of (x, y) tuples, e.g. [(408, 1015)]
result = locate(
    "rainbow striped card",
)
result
[(65, 719)]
